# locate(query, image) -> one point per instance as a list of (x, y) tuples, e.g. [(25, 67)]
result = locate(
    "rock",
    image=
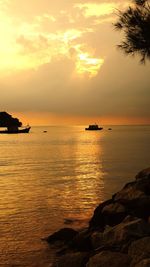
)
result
[(129, 218), (108, 258), (128, 194), (143, 174), (113, 214), (135, 197), (97, 221), (121, 235), (143, 263), (139, 250), (140, 208), (65, 235), (143, 185), (76, 259), (82, 241), (118, 233), (98, 241)]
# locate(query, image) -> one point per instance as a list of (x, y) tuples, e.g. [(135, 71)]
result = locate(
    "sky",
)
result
[(59, 64)]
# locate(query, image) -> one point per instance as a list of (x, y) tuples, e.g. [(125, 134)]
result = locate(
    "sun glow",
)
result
[(70, 35), (26, 46), (88, 64), (90, 9)]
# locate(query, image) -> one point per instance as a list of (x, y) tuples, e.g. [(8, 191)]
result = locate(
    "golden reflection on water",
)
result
[(44, 180), (63, 174), (82, 178)]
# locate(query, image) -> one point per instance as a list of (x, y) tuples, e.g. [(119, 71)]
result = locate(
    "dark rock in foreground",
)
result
[(122, 235), (118, 233), (108, 213), (64, 235), (73, 259), (143, 174), (108, 258), (82, 241), (139, 250)]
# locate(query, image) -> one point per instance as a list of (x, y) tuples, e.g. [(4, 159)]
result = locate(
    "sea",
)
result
[(55, 179)]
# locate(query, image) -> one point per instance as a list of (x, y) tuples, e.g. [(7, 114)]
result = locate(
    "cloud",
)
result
[(61, 57), (55, 89), (98, 10), (29, 44)]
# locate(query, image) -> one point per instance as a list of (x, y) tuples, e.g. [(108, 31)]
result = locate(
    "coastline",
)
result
[(118, 234)]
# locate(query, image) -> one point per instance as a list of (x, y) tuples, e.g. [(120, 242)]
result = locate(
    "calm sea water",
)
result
[(47, 178)]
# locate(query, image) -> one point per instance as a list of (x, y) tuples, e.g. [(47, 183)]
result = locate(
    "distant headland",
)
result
[(11, 124)]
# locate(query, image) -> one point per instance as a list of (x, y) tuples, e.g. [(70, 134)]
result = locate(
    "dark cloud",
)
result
[(121, 88)]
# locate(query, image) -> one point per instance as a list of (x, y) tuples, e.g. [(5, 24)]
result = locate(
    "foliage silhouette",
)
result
[(135, 23), (6, 120)]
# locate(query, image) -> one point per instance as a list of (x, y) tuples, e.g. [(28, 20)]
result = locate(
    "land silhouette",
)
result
[(12, 124), (6, 120)]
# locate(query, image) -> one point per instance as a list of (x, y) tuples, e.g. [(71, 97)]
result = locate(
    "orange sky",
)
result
[(39, 119), (60, 64)]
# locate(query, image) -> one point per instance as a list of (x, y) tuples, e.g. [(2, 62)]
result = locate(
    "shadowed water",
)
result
[(47, 179)]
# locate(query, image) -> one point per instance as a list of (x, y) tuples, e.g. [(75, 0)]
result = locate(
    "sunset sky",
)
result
[(59, 64)]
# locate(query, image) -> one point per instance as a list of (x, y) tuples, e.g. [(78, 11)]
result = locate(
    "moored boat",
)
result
[(11, 125), (15, 131), (94, 127)]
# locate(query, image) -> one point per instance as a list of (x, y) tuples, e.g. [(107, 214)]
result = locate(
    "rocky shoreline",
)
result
[(118, 233)]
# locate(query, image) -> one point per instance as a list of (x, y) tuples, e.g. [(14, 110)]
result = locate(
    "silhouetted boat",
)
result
[(94, 127), (15, 130)]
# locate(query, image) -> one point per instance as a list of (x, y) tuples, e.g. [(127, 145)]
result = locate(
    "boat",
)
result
[(11, 125), (15, 130), (94, 127)]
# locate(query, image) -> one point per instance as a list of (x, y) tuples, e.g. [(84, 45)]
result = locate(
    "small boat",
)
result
[(15, 130), (94, 127)]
